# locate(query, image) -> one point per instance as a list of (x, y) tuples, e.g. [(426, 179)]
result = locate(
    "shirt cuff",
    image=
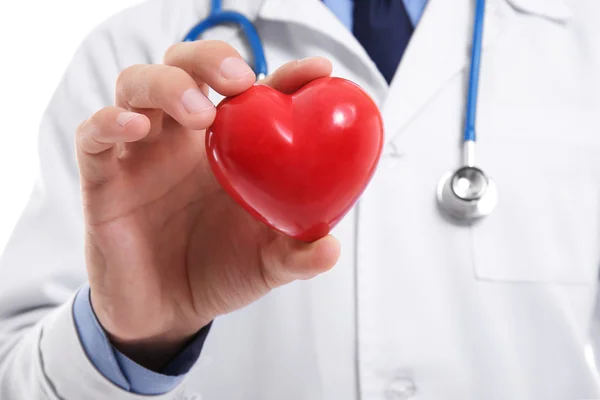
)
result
[(117, 367)]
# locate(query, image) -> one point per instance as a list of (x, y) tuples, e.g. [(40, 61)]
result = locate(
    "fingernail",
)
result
[(125, 117), (194, 101), (234, 68)]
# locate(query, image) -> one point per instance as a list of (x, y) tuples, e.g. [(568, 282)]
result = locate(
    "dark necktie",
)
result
[(384, 30)]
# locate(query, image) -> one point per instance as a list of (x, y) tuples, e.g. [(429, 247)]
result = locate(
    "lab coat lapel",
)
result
[(441, 47)]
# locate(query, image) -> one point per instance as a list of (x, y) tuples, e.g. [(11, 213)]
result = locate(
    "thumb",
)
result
[(292, 76), (287, 259)]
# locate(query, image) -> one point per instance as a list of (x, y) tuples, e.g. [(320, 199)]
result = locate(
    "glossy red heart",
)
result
[(297, 162)]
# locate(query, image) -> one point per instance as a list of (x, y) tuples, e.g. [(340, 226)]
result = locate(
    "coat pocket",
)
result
[(545, 227)]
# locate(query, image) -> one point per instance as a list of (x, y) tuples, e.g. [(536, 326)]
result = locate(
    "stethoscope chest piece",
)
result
[(467, 194)]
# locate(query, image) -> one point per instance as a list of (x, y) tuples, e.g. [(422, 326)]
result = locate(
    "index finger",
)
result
[(213, 62)]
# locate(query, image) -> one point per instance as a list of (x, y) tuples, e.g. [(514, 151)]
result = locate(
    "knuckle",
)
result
[(86, 129), (156, 87), (212, 44), (168, 80), (152, 93), (207, 50), (218, 44), (125, 76), (92, 125), (172, 51), (81, 128)]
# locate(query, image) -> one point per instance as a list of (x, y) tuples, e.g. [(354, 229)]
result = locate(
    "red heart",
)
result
[(297, 162)]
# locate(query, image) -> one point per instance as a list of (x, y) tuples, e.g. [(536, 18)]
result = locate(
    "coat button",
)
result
[(401, 388)]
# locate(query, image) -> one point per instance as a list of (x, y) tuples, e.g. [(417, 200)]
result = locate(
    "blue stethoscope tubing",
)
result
[(467, 193), (219, 17), (477, 44)]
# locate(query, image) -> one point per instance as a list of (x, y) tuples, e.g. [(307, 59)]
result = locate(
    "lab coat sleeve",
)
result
[(43, 266)]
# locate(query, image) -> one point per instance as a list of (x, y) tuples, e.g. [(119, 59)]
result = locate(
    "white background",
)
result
[(37, 41)]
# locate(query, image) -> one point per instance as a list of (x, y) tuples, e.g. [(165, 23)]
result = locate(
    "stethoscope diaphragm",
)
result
[(467, 194)]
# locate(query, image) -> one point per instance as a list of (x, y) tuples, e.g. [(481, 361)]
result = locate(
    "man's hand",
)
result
[(167, 250)]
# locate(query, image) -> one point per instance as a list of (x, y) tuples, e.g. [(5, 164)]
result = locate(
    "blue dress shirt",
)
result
[(117, 367), (124, 372), (343, 10)]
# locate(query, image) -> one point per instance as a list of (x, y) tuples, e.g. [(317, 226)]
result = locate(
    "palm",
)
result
[(176, 230)]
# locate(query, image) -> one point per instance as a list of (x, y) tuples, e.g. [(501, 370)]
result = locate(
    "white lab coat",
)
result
[(417, 308)]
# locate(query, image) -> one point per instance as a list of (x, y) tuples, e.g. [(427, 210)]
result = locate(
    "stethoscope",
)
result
[(465, 194), (219, 17), (468, 193)]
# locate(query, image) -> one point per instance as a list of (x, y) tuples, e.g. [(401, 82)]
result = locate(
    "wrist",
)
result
[(149, 342), (151, 353)]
